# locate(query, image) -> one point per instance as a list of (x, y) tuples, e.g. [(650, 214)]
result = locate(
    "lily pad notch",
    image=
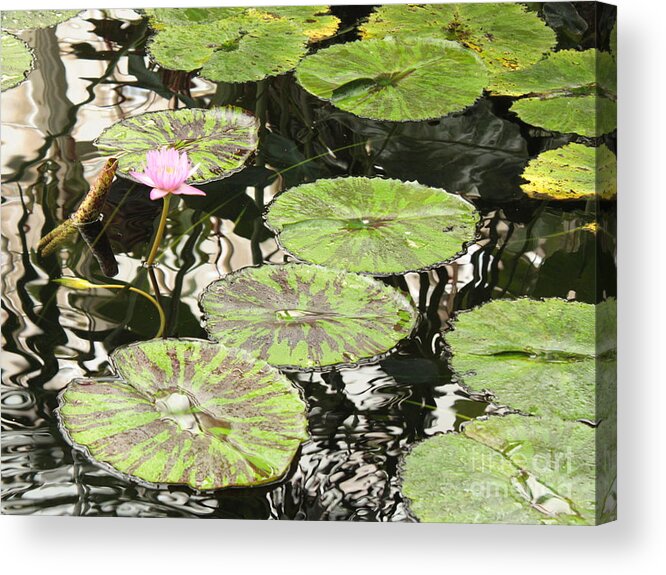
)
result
[(220, 140), (187, 412)]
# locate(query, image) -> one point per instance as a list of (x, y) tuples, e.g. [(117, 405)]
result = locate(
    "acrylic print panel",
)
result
[(321, 263)]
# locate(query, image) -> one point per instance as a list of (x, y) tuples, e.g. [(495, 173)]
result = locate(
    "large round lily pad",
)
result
[(573, 172), (15, 60), (570, 92), (304, 317), (505, 35), (395, 79), (187, 412), (32, 19), (511, 469), (372, 225), (219, 140), (539, 357)]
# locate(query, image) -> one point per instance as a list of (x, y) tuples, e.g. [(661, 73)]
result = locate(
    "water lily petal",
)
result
[(156, 193), (187, 190), (143, 178)]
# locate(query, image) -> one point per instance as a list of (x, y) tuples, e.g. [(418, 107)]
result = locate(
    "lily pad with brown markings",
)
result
[(301, 316), (187, 412), (219, 140)]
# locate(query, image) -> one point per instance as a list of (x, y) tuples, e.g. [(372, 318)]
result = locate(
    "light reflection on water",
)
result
[(361, 420)]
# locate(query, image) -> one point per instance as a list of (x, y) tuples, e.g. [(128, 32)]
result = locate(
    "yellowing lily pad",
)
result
[(573, 172), (505, 35), (395, 80), (219, 140), (187, 412), (316, 22), (306, 317), (372, 225)]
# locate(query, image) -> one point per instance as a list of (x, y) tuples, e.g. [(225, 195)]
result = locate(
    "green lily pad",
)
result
[(539, 357), (372, 225), (163, 17), (511, 469), (187, 412), (316, 22), (306, 317), (219, 140), (31, 19), (569, 92), (243, 46), (395, 80), (505, 35), (226, 53), (15, 60), (573, 172)]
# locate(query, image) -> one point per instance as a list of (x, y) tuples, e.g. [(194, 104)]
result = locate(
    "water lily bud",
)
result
[(75, 283)]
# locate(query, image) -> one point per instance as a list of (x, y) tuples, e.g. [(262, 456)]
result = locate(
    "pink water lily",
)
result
[(166, 171)]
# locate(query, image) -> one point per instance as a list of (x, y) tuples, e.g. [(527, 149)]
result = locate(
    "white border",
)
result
[(633, 544)]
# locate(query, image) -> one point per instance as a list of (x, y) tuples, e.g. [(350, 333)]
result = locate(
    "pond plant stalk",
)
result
[(166, 172), (82, 284)]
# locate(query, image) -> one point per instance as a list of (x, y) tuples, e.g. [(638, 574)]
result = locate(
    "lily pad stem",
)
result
[(160, 231), (83, 284), (150, 298)]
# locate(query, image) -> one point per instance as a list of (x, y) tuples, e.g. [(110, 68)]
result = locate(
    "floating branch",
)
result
[(88, 212)]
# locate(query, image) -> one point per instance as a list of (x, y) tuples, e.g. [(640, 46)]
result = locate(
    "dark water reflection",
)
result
[(92, 71)]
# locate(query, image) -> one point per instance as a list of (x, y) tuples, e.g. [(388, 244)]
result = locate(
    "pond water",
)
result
[(92, 72)]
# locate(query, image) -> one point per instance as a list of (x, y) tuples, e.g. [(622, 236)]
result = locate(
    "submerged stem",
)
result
[(160, 231), (83, 284), (150, 298)]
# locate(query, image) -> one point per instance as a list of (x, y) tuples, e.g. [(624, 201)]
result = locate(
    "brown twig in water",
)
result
[(88, 211)]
